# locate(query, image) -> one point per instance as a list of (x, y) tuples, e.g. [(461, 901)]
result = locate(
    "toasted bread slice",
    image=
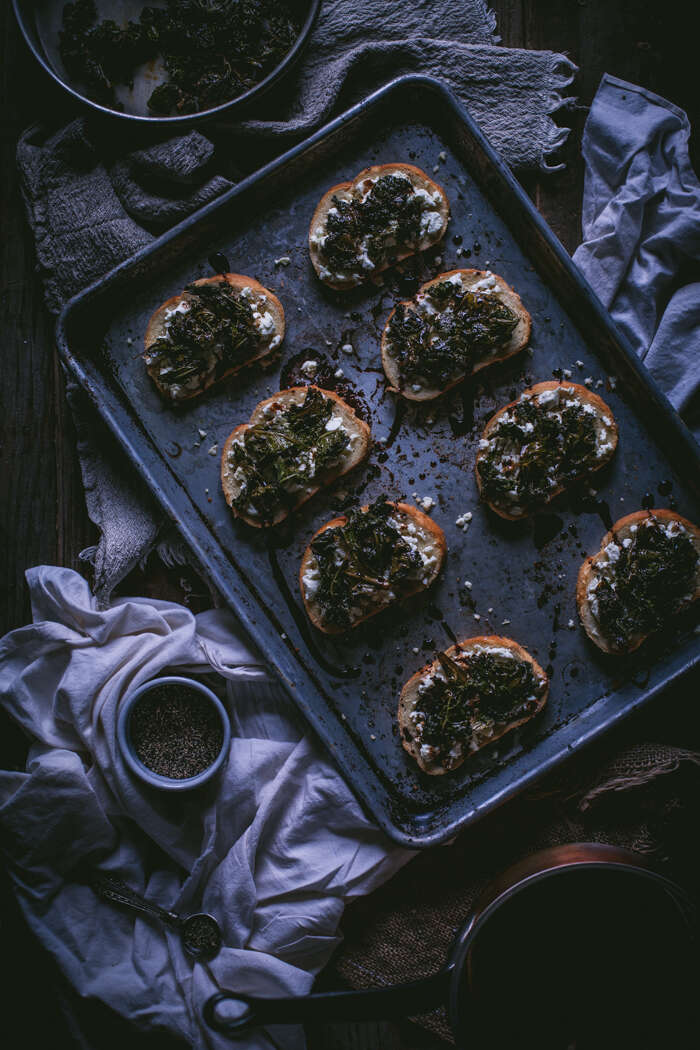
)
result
[(557, 395), (265, 304), (623, 530), (482, 281), (430, 758), (342, 415), (436, 204), (427, 537)]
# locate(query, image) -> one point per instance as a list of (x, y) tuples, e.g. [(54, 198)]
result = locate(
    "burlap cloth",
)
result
[(645, 797)]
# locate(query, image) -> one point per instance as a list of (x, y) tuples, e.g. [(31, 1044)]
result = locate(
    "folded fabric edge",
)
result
[(563, 72)]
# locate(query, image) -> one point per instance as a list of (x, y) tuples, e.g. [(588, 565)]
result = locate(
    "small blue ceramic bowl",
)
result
[(134, 762)]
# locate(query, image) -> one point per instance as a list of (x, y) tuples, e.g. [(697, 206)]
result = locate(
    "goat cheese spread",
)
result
[(639, 581), (467, 699), (357, 568), (286, 455), (214, 328), (371, 225), (541, 444)]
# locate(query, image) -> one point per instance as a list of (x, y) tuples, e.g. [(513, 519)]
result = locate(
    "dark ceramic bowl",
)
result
[(134, 762), (40, 21)]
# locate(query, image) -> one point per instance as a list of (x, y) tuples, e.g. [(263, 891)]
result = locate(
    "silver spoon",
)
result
[(200, 933)]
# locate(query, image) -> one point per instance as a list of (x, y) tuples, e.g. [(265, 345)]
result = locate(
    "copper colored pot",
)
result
[(556, 899)]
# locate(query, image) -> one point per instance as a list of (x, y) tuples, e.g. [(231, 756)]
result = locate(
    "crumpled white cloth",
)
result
[(641, 233), (274, 850)]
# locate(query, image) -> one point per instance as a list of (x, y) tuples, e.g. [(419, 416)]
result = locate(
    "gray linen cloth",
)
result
[(93, 199), (641, 233)]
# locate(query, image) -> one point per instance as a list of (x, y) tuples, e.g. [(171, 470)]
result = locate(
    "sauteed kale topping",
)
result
[(450, 329), (363, 233), (359, 558), (284, 453), (536, 448), (646, 583), (471, 697), (212, 50), (215, 332)]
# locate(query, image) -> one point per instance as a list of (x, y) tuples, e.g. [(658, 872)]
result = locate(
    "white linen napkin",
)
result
[(274, 849)]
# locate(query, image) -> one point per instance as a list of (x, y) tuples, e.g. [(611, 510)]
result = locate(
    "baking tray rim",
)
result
[(571, 741)]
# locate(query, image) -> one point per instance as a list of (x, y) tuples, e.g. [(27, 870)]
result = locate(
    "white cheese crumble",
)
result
[(284, 260), (311, 579), (309, 368), (265, 323), (430, 223), (182, 308), (486, 284)]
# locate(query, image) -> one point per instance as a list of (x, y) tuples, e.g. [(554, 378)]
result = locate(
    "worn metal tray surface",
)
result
[(522, 574)]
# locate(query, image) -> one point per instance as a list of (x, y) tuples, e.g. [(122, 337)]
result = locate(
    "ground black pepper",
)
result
[(175, 731), (201, 936)]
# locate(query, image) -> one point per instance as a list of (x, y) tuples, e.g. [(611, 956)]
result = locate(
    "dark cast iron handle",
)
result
[(400, 1000)]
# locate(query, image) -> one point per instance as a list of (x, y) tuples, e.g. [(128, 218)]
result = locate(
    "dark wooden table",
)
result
[(42, 509)]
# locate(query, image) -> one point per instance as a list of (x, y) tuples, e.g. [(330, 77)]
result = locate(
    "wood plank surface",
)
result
[(42, 512)]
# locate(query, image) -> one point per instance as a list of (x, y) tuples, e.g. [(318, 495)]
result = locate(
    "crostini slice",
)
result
[(357, 565), (646, 571), (468, 697), (456, 324), (532, 448), (214, 327), (385, 214), (295, 442)]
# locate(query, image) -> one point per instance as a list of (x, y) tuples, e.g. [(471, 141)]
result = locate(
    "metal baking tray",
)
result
[(523, 573)]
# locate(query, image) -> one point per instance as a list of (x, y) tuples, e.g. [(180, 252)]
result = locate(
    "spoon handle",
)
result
[(112, 889)]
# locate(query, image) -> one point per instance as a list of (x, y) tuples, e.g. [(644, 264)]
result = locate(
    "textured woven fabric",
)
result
[(94, 198)]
